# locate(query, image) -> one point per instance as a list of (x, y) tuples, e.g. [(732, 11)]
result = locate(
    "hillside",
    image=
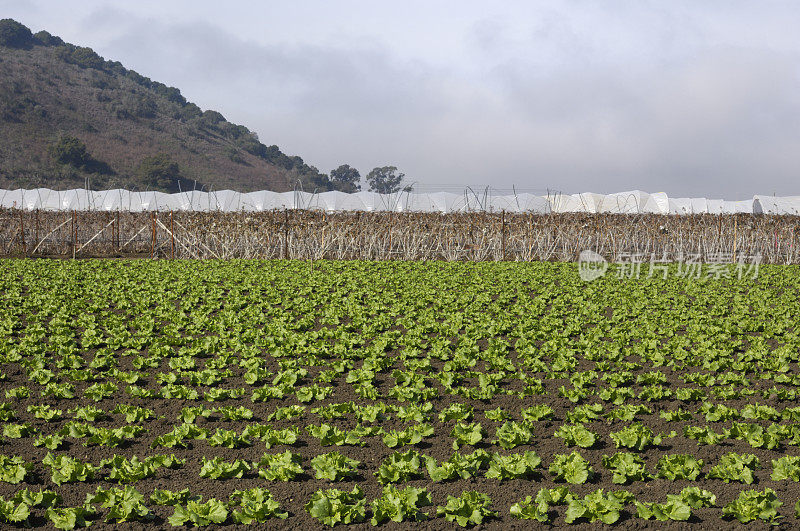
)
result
[(68, 117)]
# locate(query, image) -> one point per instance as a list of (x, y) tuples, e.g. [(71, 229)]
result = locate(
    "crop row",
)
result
[(402, 466), (334, 506), (510, 434)]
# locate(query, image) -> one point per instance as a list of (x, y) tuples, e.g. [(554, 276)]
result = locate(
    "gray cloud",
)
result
[(707, 126), (569, 96)]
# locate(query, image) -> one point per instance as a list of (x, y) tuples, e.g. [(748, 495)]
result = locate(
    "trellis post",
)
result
[(36, 226), (503, 235), (74, 234), (153, 238), (286, 234), (115, 233), (22, 232)]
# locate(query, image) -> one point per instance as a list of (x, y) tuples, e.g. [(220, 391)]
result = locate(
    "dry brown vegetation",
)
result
[(317, 235)]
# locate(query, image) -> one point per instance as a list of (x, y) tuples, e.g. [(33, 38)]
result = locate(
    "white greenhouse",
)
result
[(632, 202)]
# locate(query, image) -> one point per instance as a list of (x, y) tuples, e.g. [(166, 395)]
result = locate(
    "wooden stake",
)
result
[(286, 235), (153, 239), (474, 243), (735, 228), (503, 236), (22, 232), (36, 226), (389, 254), (74, 232), (530, 237), (172, 236)]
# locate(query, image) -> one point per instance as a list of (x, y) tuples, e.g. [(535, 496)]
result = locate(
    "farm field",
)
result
[(510, 395)]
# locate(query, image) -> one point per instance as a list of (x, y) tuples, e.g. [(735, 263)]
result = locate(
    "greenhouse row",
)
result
[(633, 202)]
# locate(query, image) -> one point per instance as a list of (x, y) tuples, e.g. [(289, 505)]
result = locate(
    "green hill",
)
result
[(68, 117)]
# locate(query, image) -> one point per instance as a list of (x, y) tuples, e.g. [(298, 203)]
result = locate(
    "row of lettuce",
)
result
[(335, 506), (401, 466)]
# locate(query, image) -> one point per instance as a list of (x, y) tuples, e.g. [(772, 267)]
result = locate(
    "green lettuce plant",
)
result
[(217, 468), (513, 466), (735, 467), (400, 505), (124, 505), (399, 467), (636, 437), (679, 466), (626, 467), (576, 435), (65, 469), (470, 508), (255, 505), (333, 506), (537, 508), (13, 469), (598, 506), (196, 513), (70, 517), (572, 468), (754, 505), (467, 434), (512, 434), (334, 466), (284, 466)]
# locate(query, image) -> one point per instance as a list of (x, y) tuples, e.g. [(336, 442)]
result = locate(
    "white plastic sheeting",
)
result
[(688, 205), (633, 202), (565, 203), (719, 206), (532, 203), (764, 204), (657, 203)]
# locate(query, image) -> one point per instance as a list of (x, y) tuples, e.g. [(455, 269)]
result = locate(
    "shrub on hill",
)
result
[(81, 56), (160, 172), (15, 35), (44, 38), (70, 150)]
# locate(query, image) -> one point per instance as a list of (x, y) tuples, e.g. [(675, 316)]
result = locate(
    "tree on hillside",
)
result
[(14, 35), (346, 179), (386, 180), (45, 38), (70, 150), (160, 171), (139, 106), (82, 56), (212, 118)]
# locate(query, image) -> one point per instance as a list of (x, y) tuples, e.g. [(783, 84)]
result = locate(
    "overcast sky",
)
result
[(694, 98)]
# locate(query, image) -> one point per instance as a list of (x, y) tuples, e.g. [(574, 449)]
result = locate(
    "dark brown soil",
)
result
[(295, 494)]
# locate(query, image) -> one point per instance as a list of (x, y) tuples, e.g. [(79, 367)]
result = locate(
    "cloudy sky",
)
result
[(692, 98)]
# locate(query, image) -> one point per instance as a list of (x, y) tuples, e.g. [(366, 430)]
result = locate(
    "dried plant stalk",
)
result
[(473, 236)]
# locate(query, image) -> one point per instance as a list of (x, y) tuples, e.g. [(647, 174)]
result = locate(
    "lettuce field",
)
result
[(288, 394)]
